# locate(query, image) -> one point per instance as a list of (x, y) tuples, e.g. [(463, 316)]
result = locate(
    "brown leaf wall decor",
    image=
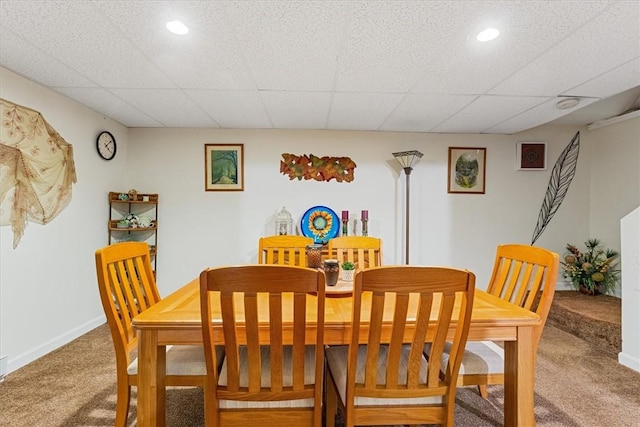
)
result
[(317, 168)]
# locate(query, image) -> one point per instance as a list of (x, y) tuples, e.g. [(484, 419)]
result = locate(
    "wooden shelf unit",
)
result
[(142, 204)]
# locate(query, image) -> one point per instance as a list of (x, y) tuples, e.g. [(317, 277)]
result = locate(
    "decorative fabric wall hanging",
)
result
[(36, 169), (318, 168)]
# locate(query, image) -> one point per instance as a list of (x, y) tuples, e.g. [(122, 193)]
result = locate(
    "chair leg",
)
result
[(332, 402), (482, 389), (123, 398), (210, 406)]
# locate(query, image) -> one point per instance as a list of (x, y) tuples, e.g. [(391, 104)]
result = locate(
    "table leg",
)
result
[(151, 384), (519, 368)]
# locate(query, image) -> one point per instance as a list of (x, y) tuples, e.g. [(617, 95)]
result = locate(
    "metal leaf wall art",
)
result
[(561, 176), (317, 168)]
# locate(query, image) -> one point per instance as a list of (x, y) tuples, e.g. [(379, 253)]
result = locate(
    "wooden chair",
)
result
[(283, 250), (523, 275), (272, 371), (388, 380), (127, 288), (363, 251)]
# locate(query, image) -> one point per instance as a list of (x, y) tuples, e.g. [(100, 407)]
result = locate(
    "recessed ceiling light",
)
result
[(567, 103), (177, 27), (487, 35)]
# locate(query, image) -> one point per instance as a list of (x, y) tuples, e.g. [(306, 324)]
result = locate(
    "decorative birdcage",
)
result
[(284, 222)]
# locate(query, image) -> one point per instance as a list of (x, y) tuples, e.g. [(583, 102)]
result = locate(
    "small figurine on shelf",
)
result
[(133, 195), (132, 220)]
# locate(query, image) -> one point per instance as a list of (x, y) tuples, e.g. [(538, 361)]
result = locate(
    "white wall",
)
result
[(48, 288), (615, 200), (48, 291), (200, 229), (615, 178)]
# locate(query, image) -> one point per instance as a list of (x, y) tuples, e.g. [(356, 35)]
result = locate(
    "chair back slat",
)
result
[(536, 284), (520, 294), (399, 295), (299, 338), (419, 338), (283, 250), (232, 356), (514, 268), (375, 335), (252, 342), (275, 337), (279, 305), (364, 251), (397, 338), (440, 338)]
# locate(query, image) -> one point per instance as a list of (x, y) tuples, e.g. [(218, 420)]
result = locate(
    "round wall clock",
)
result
[(106, 145)]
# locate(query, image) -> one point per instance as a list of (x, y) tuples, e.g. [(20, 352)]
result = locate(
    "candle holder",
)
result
[(364, 217), (314, 256), (345, 223)]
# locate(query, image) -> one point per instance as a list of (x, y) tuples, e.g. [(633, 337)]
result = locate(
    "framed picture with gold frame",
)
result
[(467, 168), (531, 156), (224, 167)]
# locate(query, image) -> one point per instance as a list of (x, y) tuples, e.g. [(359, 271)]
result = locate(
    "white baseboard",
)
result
[(3, 367), (47, 347), (629, 361)]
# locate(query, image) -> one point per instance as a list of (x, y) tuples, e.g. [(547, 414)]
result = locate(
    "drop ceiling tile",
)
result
[(290, 45), (421, 112), (472, 67), (171, 107), (391, 45), (209, 51), (603, 109), (297, 110), (24, 58), (361, 111), (85, 42), (486, 111), (535, 116), (233, 109), (111, 106), (606, 43), (612, 82)]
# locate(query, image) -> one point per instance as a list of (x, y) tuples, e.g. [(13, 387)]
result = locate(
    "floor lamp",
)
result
[(407, 159)]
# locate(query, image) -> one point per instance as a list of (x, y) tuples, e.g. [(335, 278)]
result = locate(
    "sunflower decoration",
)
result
[(320, 222)]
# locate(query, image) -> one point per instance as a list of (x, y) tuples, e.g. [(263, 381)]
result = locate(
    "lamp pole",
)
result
[(407, 159), (407, 172)]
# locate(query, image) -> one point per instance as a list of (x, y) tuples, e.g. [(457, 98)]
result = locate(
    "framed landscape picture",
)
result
[(531, 156), (224, 167), (467, 166)]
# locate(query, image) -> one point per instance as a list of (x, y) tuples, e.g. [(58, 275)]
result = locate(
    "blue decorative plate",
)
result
[(320, 223)]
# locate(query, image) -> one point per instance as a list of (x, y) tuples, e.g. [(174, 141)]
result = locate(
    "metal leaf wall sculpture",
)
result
[(317, 168), (561, 176)]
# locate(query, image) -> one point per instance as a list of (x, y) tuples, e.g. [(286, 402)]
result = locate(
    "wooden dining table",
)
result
[(175, 320)]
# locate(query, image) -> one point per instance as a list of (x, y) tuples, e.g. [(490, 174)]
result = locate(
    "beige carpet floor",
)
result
[(577, 384)]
